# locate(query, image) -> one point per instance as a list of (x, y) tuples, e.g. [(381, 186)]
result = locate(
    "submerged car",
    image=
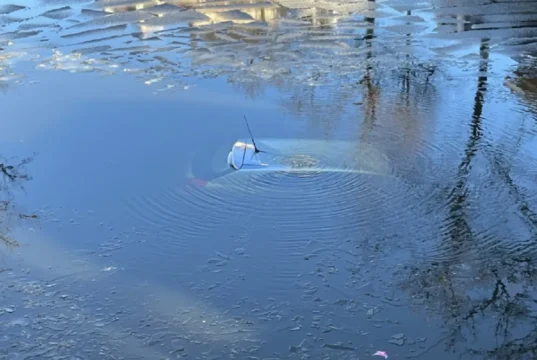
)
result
[(301, 157)]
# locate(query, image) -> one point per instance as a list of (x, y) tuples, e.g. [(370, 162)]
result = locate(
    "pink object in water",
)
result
[(381, 353), (198, 182)]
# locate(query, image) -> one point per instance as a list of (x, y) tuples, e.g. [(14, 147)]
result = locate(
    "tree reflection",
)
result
[(496, 303), (459, 228), (371, 89), (487, 296), (397, 104), (12, 177)]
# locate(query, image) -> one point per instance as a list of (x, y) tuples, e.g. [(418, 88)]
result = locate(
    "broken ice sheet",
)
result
[(6, 79), (175, 18), (73, 63), (154, 80), (130, 17)]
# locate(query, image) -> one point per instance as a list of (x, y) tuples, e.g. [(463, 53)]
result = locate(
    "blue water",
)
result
[(113, 245)]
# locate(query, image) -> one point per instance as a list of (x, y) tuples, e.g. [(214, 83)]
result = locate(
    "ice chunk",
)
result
[(177, 17)]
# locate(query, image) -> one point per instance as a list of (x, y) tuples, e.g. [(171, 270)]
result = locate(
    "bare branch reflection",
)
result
[(12, 178), (484, 295)]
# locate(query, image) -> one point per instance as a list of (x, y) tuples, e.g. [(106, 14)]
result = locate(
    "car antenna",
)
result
[(251, 136)]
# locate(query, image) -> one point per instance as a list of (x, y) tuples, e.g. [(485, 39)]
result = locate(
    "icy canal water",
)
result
[(124, 234)]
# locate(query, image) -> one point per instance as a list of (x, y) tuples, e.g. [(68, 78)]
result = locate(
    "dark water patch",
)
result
[(59, 14), (91, 50), (94, 13), (8, 20), (92, 32), (18, 35), (102, 39), (131, 49), (9, 8), (28, 26)]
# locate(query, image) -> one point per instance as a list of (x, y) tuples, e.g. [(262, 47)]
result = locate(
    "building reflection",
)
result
[(239, 12)]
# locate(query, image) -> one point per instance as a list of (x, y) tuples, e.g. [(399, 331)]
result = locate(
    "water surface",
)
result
[(117, 114)]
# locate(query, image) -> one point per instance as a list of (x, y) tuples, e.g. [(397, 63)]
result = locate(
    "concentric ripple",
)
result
[(287, 209)]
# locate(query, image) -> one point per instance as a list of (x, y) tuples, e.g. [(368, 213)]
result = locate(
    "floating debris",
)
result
[(9, 310), (372, 311), (381, 353), (152, 81), (23, 322), (240, 251)]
